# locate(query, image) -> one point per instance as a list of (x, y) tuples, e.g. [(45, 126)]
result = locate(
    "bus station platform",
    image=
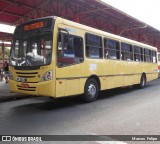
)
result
[(6, 95)]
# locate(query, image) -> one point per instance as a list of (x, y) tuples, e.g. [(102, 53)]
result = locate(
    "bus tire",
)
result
[(142, 83), (91, 90)]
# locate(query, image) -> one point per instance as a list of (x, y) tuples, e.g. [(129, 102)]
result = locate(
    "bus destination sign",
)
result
[(33, 26)]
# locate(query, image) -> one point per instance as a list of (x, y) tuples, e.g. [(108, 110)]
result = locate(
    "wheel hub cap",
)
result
[(92, 90)]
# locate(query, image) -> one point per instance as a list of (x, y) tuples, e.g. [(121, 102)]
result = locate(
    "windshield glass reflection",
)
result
[(35, 50)]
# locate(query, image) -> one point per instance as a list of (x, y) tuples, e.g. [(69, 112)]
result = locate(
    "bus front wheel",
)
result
[(91, 90)]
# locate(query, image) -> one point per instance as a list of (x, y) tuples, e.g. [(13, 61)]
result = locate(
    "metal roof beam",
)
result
[(7, 7), (13, 14), (27, 15), (20, 4)]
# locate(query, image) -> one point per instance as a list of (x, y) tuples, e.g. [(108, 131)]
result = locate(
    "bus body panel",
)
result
[(34, 84), (71, 79), (68, 80)]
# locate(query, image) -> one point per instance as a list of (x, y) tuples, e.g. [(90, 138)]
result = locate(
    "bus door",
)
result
[(70, 59)]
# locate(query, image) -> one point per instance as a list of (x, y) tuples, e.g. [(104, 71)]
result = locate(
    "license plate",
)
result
[(24, 85)]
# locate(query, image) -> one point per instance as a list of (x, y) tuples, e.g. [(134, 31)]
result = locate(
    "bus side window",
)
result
[(137, 54), (154, 57), (126, 52), (93, 46), (59, 45), (111, 49), (147, 55), (69, 49)]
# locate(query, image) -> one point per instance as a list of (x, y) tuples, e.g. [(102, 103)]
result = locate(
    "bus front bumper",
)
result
[(45, 88)]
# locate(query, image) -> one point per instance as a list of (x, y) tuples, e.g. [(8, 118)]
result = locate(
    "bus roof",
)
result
[(96, 31), (103, 33)]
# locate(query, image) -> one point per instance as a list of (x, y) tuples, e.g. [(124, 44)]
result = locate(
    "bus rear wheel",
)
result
[(90, 90), (142, 83)]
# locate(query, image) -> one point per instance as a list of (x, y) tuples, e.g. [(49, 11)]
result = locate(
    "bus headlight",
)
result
[(10, 75), (47, 76)]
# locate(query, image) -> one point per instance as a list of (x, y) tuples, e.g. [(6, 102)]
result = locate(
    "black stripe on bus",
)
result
[(27, 73), (70, 78), (25, 89)]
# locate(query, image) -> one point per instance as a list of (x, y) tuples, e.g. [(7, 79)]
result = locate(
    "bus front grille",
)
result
[(31, 77), (27, 75)]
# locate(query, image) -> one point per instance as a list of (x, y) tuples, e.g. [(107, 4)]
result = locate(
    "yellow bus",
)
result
[(56, 57)]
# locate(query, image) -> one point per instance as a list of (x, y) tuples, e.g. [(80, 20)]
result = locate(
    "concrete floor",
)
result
[(122, 111)]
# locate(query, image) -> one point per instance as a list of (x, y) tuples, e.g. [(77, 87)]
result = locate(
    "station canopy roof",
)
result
[(94, 13)]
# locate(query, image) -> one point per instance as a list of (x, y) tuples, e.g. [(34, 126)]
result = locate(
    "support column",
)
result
[(2, 53)]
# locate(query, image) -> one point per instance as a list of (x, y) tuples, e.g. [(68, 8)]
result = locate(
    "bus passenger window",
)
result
[(93, 46), (126, 52), (69, 50), (138, 55), (59, 49), (147, 55), (111, 49), (154, 57)]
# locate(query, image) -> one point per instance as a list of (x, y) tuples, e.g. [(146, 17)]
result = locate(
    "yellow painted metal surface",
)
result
[(70, 80)]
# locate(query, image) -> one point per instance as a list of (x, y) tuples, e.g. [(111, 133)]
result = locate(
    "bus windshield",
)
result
[(32, 50)]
